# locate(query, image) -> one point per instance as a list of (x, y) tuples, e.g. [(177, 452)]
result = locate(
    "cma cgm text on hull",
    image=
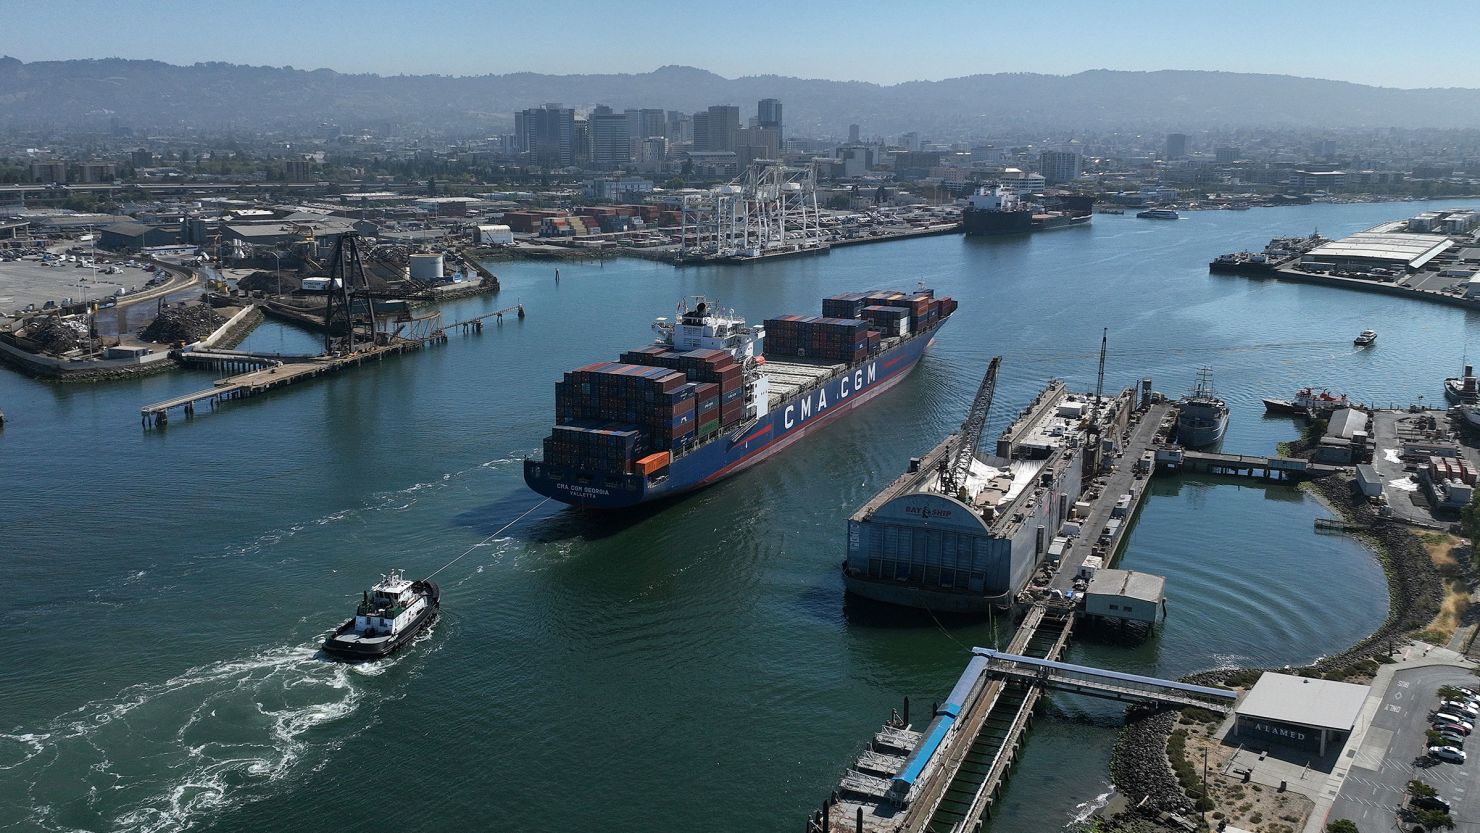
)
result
[(714, 396)]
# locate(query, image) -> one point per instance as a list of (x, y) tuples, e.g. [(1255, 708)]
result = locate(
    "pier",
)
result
[(1174, 459), (258, 373), (947, 778)]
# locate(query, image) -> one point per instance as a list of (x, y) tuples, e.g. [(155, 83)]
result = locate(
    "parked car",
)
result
[(1429, 802), (1447, 753), (1461, 708), (1450, 726), (1452, 738), (1447, 717)]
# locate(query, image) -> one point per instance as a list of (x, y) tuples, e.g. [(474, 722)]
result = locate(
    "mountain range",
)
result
[(154, 95)]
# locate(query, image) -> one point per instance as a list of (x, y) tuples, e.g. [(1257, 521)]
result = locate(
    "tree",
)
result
[(1435, 819), (1342, 826), (1469, 517), (1419, 789)]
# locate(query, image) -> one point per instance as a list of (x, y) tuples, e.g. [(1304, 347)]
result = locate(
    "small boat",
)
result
[(1307, 402), (1159, 214), (1202, 417), (1365, 338), (390, 614)]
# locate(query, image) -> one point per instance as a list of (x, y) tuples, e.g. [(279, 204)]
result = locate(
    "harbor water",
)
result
[(693, 666)]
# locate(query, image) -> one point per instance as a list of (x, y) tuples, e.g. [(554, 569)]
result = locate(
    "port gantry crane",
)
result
[(348, 301), (952, 479)]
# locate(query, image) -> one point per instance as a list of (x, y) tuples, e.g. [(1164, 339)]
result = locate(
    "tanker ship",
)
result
[(713, 395)]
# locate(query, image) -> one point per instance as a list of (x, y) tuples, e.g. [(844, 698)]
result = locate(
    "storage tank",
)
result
[(426, 267)]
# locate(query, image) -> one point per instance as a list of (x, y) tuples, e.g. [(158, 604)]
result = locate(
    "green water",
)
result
[(686, 668)]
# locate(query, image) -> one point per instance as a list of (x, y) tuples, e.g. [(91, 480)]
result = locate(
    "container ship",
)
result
[(1000, 210), (713, 396)]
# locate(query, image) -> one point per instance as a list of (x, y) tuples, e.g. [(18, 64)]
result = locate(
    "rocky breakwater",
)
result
[(1139, 766)]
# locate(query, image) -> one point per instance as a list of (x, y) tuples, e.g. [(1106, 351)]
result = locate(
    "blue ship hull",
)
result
[(783, 425)]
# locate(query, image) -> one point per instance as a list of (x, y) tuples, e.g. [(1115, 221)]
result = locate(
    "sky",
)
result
[(1362, 41)]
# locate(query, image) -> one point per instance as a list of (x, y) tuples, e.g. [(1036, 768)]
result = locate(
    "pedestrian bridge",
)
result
[(1114, 685)]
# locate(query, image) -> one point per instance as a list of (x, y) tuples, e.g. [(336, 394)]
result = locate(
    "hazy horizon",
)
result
[(873, 43)]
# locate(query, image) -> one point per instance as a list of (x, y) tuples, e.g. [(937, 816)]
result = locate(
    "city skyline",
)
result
[(882, 47)]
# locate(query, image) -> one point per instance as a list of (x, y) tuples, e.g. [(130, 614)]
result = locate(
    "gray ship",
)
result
[(962, 531), (1201, 416)]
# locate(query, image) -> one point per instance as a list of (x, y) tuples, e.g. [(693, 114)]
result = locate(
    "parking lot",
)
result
[(28, 281), (1393, 752)]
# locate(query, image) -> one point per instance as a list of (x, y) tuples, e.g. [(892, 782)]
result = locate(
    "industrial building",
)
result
[(1125, 595), (1308, 714), (1385, 246), (917, 545)]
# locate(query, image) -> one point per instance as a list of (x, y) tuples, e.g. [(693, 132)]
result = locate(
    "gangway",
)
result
[(1115, 685)]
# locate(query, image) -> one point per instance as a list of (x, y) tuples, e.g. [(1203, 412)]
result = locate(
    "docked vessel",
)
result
[(714, 395), (1365, 338), (965, 531), (390, 614), (1307, 402), (1158, 214), (999, 210), (1201, 416), (1462, 390)]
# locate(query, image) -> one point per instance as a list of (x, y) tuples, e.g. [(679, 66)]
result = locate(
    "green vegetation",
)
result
[(1342, 826), (1469, 517), (1186, 773), (1419, 789), (1434, 820)]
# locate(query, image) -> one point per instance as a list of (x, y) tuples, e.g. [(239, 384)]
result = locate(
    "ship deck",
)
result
[(790, 377)]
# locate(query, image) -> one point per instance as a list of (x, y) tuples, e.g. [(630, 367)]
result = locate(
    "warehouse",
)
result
[(1383, 246), (1301, 712)]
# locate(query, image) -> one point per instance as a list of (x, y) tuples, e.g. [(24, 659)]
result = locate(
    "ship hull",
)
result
[(1203, 432), (785, 424), (994, 223)]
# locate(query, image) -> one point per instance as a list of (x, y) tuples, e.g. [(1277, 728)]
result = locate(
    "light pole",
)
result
[(277, 270)]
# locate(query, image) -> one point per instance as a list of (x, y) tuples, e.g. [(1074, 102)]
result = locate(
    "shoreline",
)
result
[(1140, 768)]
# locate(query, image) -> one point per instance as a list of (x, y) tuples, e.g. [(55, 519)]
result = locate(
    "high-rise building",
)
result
[(611, 146), (646, 123), (48, 170), (768, 114), (1058, 166), (296, 169), (853, 134), (1176, 146), (755, 143), (721, 127), (680, 127), (910, 141), (141, 158), (700, 126), (547, 134), (1225, 155)]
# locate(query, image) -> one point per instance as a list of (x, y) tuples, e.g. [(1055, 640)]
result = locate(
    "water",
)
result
[(694, 666)]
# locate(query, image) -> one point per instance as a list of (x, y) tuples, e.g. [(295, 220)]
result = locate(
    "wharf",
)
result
[(1125, 478), (963, 778)]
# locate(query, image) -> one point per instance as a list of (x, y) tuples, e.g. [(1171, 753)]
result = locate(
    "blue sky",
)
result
[(884, 42)]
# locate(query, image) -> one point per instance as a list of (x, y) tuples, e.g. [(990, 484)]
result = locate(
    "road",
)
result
[(1377, 782)]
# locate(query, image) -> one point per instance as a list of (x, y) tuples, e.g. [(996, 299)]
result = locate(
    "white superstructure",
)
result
[(704, 326), (389, 607)]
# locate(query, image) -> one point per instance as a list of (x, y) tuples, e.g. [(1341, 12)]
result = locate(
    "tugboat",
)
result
[(1307, 403), (389, 615), (1201, 416), (1462, 390), (1365, 338)]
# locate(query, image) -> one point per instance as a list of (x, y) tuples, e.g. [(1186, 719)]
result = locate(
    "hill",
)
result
[(156, 95)]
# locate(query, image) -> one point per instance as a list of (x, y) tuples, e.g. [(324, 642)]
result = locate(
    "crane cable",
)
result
[(490, 538)]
